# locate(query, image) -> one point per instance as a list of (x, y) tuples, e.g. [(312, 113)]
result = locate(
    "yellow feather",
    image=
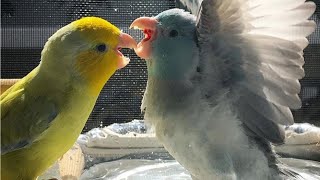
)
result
[(99, 70)]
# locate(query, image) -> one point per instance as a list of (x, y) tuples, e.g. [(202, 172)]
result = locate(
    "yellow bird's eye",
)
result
[(102, 48)]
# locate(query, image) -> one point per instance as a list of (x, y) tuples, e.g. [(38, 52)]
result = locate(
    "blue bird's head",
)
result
[(170, 43)]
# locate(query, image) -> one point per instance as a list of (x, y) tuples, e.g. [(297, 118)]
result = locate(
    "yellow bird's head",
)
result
[(86, 51)]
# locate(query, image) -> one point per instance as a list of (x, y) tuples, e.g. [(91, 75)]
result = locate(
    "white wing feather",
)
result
[(257, 47), (192, 5)]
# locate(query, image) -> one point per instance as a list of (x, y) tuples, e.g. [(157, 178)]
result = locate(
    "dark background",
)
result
[(26, 25)]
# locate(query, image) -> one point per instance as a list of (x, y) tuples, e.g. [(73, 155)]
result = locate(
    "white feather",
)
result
[(265, 7), (302, 42), (284, 18), (298, 31), (291, 72), (264, 41)]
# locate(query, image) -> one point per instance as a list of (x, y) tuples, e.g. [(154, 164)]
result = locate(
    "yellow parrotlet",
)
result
[(43, 114)]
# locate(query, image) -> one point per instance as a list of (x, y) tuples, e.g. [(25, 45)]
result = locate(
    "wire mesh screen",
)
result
[(26, 26)]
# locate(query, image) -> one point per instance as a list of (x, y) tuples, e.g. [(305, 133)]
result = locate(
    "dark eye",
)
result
[(101, 48), (173, 33)]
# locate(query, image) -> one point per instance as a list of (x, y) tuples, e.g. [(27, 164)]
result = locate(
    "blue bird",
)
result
[(221, 83)]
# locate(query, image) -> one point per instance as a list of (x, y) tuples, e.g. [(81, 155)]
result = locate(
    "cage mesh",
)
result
[(26, 25)]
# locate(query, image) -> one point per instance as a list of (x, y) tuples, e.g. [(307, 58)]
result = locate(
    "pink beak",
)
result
[(144, 23), (125, 41), (149, 26)]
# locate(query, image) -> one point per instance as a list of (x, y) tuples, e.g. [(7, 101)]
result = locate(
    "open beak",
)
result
[(125, 41), (149, 27), (143, 23)]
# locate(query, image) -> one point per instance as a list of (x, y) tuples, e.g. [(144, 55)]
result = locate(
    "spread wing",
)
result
[(254, 50), (191, 5), (24, 117)]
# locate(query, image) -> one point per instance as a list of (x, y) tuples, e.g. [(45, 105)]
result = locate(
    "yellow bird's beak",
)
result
[(125, 41)]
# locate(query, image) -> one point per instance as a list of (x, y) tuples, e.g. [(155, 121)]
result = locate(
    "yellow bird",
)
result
[(43, 114)]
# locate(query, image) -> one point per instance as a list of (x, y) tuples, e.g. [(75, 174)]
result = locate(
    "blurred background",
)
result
[(27, 24)]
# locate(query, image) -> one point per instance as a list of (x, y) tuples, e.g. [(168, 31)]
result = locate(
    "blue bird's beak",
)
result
[(149, 27)]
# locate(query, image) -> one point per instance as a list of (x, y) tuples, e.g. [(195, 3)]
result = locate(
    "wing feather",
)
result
[(272, 48), (254, 48), (24, 117), (283, 18), (260, 125), (273, 112), (295, 32), (261, 8)]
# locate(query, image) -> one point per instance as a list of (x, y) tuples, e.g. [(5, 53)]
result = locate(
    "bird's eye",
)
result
[(173, 33), (101, 48)]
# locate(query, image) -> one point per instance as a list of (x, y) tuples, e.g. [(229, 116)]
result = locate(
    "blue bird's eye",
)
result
[(173, 33), (101, 48)]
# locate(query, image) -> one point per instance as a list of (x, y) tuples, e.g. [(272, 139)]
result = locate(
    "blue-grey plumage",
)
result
[(221, 84), (175, 36)]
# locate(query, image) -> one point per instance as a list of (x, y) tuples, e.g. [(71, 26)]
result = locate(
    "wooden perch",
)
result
[(68, 167), (7, 83), (71, 164)]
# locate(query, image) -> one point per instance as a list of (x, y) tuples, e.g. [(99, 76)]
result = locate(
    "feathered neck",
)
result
[(165, 95)]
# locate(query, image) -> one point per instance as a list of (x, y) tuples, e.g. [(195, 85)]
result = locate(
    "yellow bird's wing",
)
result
[(24, 117), (20, 84)]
